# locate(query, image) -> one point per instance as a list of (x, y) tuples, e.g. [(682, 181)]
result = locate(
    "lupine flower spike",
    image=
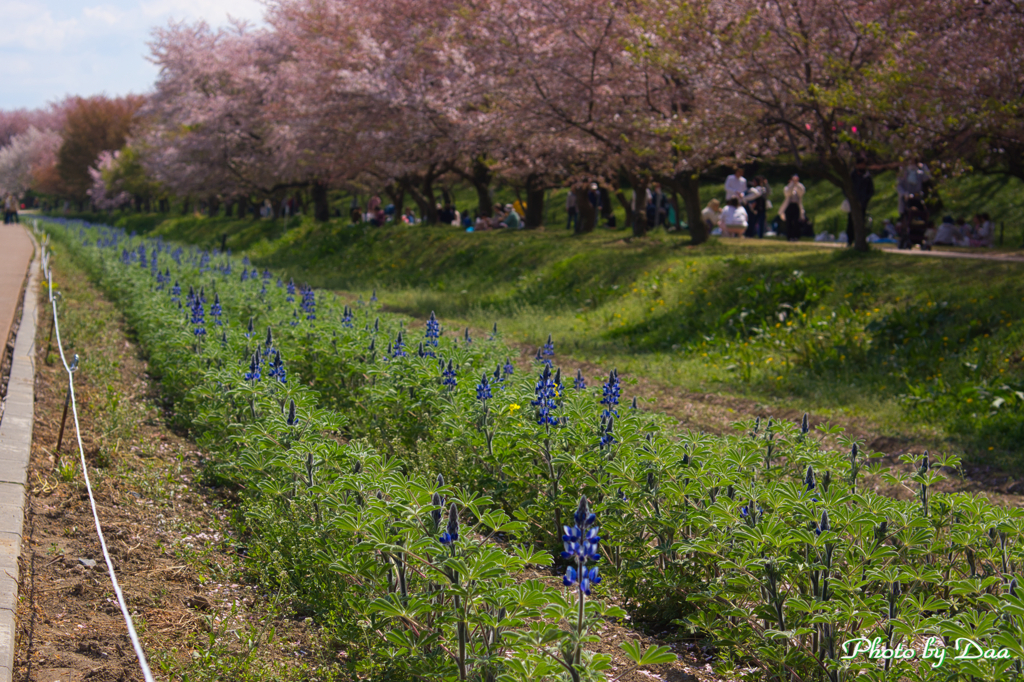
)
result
[(451, 534), (449, 379), (433, 330), (581, 544), (580, 384), (483, 389), (549, 347), (292, 419)]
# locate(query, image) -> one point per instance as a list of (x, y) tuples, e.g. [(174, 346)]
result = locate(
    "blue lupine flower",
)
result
[(346, 318), (398, 351), (451, 534), (611, 392), (373, 296), (248, 333), (216, 310), (581, 543), (494, 333), (292, 419), (580, 384), (469, 339), (253, 374), (291, 292), (590, 576), (266, 275), (277, 368), (810, 482), (198, 318), (545, 392), (632, 405), (824, 525), (245, 261), (279, 283), (245, 274), (509, 369), (449, 379), (176, 293), (549, 347), (483, 389)]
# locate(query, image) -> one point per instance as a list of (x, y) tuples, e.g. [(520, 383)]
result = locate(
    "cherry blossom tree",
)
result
[(25, 158)]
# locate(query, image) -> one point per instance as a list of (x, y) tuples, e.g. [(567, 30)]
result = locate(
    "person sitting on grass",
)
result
[(512, 220), (984, 231), (734, 218), (947, 234), (711, 213)]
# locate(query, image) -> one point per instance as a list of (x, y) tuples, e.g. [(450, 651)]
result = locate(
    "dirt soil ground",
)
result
[(165, 533)]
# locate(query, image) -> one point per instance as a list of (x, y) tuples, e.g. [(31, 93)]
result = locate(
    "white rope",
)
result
[(70, 369)]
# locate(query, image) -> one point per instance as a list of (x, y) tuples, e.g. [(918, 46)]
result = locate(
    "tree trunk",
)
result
[(639, 223), (164, 206), (606, 205), (621, 196), (688, 185), (396, 192), (417, 196), (534, 202), (588, 216), (213, 206), (321, 207), (186, 206), (857, 212), (430, 214), (481, 180)]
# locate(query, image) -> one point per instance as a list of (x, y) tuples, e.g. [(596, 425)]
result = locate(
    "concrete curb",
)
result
[(15, 453)]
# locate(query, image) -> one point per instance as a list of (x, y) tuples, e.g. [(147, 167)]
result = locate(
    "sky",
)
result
[(53, 48)]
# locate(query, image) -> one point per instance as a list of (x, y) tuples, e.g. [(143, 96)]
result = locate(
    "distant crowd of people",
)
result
[(746, 212), (746, 208), (915, 227)]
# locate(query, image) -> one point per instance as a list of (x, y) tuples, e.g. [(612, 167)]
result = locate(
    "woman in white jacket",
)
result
[(792, 209)]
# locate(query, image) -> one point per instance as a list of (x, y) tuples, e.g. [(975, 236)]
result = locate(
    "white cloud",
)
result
[(104, 13)]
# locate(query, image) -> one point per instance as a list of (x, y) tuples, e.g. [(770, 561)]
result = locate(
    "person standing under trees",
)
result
[(863, 190), (572, 213), (594, 197), (792, 209), (911, 180), (735, 185), (757, 206)]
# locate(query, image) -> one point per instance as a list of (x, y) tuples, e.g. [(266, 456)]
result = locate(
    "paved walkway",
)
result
[(941, 252), (15, 254)]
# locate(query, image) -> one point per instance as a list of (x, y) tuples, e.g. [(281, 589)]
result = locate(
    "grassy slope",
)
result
[(877, 327)]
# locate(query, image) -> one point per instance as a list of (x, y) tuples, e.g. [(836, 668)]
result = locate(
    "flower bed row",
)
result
[(401, 480)]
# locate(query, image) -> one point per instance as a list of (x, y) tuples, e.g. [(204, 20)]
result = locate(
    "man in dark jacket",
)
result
[(863, 189)]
